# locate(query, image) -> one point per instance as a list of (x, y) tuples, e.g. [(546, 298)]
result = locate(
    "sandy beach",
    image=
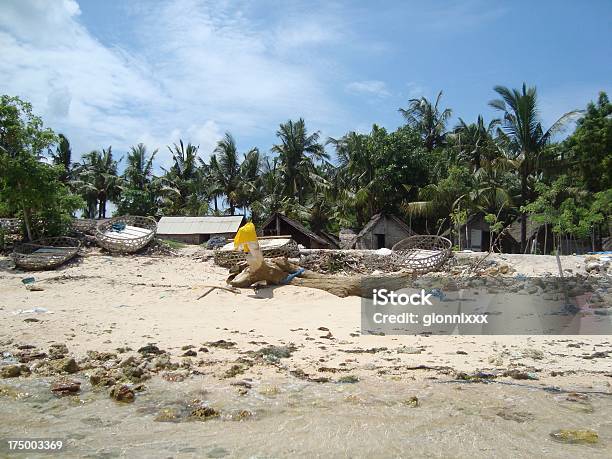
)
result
[(107, 302), (106, 310)]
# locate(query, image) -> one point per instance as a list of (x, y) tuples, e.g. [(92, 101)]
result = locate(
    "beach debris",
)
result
[(122, 393), (579, 436), (213, 287), (242, 383), (532, 353), (66, 387), (348, 379), (14, 371), (190, 353), (36, 310), (101, 377), (233, 371), (593, 267), (203, 412), (168, 415), (26, 356), (150, 349), (217, 452), (28, 280), (64, 365), (276, 352), (239, 415), (409, 350), (412, 402), (521, 375), (222, 344), (58, 351)]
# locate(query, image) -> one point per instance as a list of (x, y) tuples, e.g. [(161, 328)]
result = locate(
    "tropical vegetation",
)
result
[(433, 174)]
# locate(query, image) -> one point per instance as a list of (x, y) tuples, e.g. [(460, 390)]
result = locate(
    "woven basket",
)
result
[(45, 253), (227, 257), (116, 242), (422, 253), (84, 225)]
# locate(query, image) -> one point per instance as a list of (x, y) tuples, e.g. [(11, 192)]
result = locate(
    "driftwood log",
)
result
[(275, 270)]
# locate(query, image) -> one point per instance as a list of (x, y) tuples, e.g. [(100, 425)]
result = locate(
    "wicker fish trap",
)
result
[(422, 253), (227, 257)]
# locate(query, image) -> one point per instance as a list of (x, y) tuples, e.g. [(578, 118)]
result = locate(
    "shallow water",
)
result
[(372, 418)]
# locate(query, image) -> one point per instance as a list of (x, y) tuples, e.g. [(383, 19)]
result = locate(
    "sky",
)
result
[(119, 72)]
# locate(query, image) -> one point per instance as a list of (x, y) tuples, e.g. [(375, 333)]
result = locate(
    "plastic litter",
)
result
[(292, 276), (245, 235), (28, 280), (36, 310)]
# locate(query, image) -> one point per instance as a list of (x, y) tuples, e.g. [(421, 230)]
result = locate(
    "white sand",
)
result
[(104, 302)]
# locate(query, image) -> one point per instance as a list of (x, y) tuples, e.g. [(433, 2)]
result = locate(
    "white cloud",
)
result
[(370, 87), (194, 71)]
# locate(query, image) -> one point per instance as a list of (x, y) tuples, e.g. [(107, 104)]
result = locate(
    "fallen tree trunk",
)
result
[(276, 270)]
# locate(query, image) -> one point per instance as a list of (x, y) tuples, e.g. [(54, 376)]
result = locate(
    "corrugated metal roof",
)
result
[(199, 225)]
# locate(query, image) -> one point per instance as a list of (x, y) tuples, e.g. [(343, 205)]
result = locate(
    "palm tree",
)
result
[(214, 188), (63, 157), (476, 141), (527, 138), (297, 154), (249, 187), (356, 172), (139, 170), (98, 181), (141, 189), (182, 182), (428, 119), (225, 168)]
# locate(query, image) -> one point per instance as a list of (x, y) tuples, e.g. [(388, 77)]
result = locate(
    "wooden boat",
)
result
[(422, 253), (126, 234), (45, 253)]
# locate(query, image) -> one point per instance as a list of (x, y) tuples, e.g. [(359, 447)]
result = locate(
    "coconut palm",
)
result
[(182, 183), (527, 138), (139, 169), (140, 188), (97, 180), (249, 187), (297, 154), (428, 119), (225, 168), (475, 141)]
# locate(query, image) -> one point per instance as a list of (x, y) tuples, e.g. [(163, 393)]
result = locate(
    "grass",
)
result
[(174, 244)]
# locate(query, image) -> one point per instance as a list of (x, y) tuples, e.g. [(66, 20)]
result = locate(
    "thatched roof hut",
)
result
[(281, 225), (382, 231)]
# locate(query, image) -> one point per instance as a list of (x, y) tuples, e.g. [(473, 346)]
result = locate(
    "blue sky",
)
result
[(118, 73)]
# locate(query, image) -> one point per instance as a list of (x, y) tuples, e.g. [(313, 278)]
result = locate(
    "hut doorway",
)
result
[(380, 241)]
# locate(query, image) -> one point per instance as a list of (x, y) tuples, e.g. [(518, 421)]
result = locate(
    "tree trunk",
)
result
[(27, 221), (523, 214), (275, 270), (26, 215)]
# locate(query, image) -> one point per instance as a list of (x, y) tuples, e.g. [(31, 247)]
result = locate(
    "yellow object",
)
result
[(244, 235)]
